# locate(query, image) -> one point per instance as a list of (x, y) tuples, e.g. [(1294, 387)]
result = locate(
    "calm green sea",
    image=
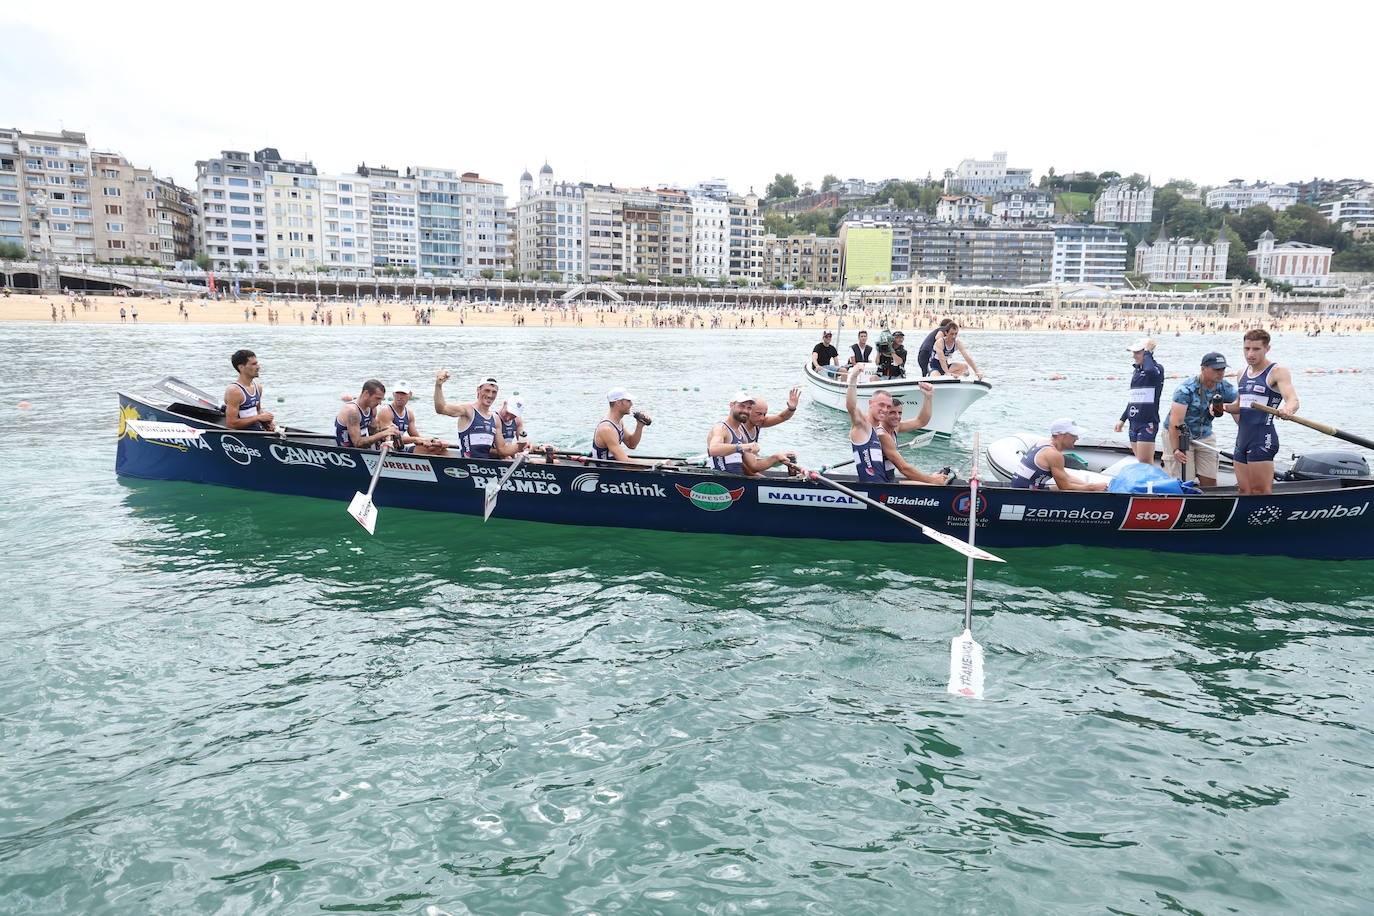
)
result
[(222, 702)]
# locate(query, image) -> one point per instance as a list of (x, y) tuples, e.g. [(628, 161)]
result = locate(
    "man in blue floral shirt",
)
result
[(1195, 404)]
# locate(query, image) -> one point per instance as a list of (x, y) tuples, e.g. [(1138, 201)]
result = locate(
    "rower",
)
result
[(512, 417), (1044, 463), (1257, 440), (1142, 410), (893, 462), (728, 443), (926, 352), (479, 433), (759, 420), (243, 397), (354, 422), (399, 415), (610, 438), (864, 426), (945, 345)]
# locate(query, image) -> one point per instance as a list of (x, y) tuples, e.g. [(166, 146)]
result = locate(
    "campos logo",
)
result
[(237, 451), (710, 496), (586, 483), (311, 457)]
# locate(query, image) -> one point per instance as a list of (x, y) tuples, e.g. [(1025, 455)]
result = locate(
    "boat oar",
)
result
[(951, 542), (361, 507), (188, 393), (965, 655), (156, 429), (1319, 427), (494, 486)]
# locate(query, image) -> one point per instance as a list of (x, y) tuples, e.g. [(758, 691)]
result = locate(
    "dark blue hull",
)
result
[(1321, 519)]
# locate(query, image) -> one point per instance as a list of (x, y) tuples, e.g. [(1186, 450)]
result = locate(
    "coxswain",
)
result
[(479, 432), (512, 417), (610, 439), (399, 415), (243, 397), (860, 352), (1257, 439), (864, 427), (945, 345), (1196, 403), (356, 420), (728, 443), (1142, 407), (893, 462), (1043, 464)]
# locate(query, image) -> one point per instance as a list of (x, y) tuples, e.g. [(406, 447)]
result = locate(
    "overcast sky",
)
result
[(641, 94)]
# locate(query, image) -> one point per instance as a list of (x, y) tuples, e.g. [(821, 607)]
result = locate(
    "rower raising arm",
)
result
[(728, 443), (479, 430), (243, 397)]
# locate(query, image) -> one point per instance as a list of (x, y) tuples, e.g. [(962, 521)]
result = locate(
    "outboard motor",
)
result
[(1325, 465)]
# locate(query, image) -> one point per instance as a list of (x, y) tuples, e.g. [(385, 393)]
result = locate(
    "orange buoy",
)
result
[(24, 405)]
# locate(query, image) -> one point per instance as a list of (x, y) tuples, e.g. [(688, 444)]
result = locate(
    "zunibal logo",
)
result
[(710, 496)]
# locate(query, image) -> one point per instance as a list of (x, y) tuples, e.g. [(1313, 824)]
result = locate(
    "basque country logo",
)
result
[(710, 496), (1265, 515)]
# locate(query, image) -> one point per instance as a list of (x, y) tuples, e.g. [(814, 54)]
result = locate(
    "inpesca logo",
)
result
[(710, 496)]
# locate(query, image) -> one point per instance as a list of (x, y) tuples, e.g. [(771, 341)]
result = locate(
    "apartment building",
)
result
[(292, 189), (551, 228), (961, 208), (710, 237), (1294, 263), (1089, 254), (1183, 260), (487, 232), (605, 237), (1119, 202), (12, 217), (803, 260), (745, 239), (126, 225), (1238, 196), (346, 224), (54, 188), (1354, 209), (394, 226), (176, 222), (233, 219), (1019, 206), (987, 177), (983, 255)]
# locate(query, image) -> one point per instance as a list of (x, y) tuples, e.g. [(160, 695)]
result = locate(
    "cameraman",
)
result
[(1196, 403), (896, 364)]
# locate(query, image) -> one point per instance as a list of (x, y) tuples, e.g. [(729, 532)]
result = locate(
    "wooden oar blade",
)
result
[(966, 666), (152, 429), (362, 509)]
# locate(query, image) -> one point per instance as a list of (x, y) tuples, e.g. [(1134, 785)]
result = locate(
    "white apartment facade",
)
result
[(1294, 263), (1018, 206), (551, 227), (233, 223), (745, 238), (961, 208), (1119, 202), (1183, 260), (53, 171), (346, 224), (988, 177), (292, 189), (710, 237), (1089, 254), (395, 233), (1345, 212), (1239, 196)]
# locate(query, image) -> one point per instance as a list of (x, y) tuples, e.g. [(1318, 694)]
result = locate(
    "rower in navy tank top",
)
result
[(732, 463), (243, 396), (604, 453), (868, 459), (366, 419), (475, 439), (1029, 475), (252, 402), (1256, 437)]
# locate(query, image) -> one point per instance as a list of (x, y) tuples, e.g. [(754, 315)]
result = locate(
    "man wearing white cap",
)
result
[(512, 417), (399, 415), (728, 444), (1142, 408), (479, 433), (1044, 463), (610, 438)]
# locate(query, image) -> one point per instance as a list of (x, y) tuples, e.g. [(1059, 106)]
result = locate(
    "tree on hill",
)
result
[(827, 181), (781, 186)]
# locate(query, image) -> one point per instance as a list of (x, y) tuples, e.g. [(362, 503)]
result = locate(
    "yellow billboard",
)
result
[(867, 256)]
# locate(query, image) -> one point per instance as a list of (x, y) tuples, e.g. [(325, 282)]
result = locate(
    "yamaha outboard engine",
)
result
[(1324, 465)]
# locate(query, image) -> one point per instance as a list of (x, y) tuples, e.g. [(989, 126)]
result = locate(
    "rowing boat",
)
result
[(952, 396), (1319, 518)]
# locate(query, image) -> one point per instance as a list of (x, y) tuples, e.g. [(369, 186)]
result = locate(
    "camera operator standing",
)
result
[(891, 355)]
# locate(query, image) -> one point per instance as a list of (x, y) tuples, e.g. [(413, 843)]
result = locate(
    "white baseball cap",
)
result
[(618, 394), (402, 388), (741, 397), (516, 406), (1141, 344), (1065, 427), (487, 380)]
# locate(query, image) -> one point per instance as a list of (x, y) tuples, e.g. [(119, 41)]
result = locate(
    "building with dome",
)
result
[(551, 226), (1294, 263)]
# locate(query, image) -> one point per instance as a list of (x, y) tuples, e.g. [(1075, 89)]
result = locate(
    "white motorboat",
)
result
[(1090, 460), (952, 396)]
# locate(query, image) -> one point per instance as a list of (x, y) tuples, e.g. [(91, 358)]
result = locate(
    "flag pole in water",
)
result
[(965, 655)]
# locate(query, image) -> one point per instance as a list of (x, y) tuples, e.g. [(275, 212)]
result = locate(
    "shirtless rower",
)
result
[(610, 438), (399, 415), (946, 343), (243, 397), (759, 420), (864, 427), (1045, 461), (354, 422), (1257, 441), (479, 432)]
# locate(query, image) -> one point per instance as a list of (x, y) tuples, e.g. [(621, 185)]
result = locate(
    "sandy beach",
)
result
[(175, 310)]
